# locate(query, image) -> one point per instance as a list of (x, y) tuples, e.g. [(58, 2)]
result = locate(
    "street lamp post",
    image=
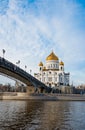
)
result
[(30, 71), (3, 50), (18, 63), (25, 67)]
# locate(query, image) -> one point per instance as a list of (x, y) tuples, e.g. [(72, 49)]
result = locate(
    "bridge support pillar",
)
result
[(41, 90), (30, 89)]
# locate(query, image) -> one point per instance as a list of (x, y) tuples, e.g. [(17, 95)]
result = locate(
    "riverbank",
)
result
[(50, 97)]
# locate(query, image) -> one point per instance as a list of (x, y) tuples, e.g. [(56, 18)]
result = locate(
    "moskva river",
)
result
[(42, 115)]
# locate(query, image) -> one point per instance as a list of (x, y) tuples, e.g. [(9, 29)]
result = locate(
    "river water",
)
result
[(42, 115)]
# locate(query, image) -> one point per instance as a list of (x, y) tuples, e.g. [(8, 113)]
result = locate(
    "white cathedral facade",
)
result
[(52, 73)]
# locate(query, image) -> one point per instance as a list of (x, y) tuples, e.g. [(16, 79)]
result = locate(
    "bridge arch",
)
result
[(10, 69)]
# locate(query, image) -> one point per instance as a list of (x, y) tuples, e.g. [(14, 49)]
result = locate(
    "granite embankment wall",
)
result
[(51, 97)]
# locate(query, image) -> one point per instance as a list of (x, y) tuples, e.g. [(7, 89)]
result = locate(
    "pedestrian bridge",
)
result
[(11, 70)]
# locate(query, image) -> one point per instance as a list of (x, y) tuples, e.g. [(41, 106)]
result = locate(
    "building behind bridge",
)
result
[(52, 73)]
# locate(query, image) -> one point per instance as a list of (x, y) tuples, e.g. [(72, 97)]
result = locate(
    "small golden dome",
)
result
[(52, 56), (44, 68), (40, 64), (62, 63)]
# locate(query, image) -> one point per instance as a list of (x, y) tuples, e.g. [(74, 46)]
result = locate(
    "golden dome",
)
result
[(40, 64), (62, 63), (52, 56), (44, 69)]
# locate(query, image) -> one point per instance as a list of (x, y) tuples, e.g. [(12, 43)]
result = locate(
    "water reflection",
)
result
[(42, 115)]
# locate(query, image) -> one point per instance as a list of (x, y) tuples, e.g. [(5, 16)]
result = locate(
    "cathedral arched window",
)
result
[(55, 78), (49, 72), (51, 65), (61, 79), (48, 67), (55, 85), (50, 79)]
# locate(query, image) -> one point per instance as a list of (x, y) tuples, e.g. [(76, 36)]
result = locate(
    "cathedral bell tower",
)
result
[(40, 66), (61, 66)]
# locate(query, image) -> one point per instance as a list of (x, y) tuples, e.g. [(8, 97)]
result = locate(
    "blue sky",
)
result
[(31, 29)]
